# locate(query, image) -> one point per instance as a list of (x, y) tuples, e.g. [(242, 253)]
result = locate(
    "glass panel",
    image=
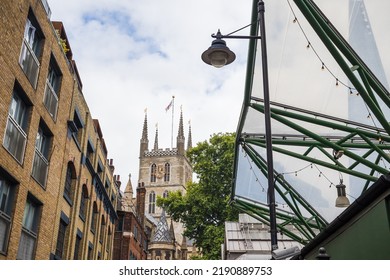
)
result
[(4, 232), (29, 63), (15, 139), (18, 110), (28, 216), (26, 246), (4, 196), (50, 100), (40, 167)]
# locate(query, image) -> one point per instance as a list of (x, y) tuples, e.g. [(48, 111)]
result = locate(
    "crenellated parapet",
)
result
[(161, 152)]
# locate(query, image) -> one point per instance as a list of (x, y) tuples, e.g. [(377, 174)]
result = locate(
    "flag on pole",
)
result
[(169, 105)]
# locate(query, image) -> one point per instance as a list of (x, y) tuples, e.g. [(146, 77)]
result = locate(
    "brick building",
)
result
[(131, 240), (58, 193)]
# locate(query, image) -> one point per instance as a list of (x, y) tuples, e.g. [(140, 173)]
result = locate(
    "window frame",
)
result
[(152, 202), (42, 150), (153, 173), (83, 202), (18, 119), (52, 88), (31, 49), (30, 228), (7, 203), (167, 172)]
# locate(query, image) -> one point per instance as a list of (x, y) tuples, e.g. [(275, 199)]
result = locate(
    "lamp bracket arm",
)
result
[(220, 36)]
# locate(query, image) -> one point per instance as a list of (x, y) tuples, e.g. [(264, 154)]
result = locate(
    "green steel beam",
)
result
[(322, 139), (336, 45), (295, 201), (262, 214), (324, 123)]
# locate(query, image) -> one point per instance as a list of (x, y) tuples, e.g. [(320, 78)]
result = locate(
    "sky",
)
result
[(135, 55)]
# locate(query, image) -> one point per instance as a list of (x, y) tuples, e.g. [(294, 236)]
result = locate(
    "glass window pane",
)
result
[(26, 247)]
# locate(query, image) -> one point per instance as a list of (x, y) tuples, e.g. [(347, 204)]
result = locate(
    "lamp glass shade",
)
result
[(218, 58)]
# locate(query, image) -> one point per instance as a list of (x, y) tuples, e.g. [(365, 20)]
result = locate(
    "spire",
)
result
[(156, 139), (181, 129), (128, 199), (163, 233), (145, 128), (189, 143), (144, 145), (180, 136)]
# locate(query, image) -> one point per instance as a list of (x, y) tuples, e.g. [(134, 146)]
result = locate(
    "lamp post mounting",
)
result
[(219, 55)]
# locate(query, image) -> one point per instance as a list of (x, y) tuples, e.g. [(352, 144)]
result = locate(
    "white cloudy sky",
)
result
[(134, 54)]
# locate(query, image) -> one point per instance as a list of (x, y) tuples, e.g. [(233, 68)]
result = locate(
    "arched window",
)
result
[(69, 182), (167, 172), (153, 171), (152, 202), (165, 194)]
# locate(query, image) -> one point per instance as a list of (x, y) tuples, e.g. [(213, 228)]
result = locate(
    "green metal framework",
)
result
[(348, 138)]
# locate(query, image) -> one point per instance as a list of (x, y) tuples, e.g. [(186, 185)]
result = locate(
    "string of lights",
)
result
[(295, 172), (338, 82)]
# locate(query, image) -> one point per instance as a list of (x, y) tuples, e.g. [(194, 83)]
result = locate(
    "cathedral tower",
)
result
[(162, 171)]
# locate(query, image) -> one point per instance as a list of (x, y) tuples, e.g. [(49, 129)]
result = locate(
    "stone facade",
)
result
[(58, 192), (163, 171)]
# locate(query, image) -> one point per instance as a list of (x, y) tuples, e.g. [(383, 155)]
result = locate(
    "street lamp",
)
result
[(342, 199), (219, 55)]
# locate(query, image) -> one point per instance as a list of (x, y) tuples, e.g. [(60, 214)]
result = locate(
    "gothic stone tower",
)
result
[(163, 171)]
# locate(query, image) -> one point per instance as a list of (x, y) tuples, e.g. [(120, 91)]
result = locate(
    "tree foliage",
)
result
[(205, 207)]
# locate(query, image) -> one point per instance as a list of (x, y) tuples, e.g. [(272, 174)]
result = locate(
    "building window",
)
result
[(90, 251), (53, 82), (15, 135), (119, 224), (79, 124), (62, 231), (109, 239), (83, 202), (165, 194), (102, 229), (29, 233), (100, 170), (167, 172), (7, 190), (77, 246), (90, 152), (70, 181), (94, 217), (153, 172), (152, 202), (135, 231), (31, 49), (41, 157)]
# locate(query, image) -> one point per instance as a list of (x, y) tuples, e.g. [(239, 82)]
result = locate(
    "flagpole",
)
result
[(173, 109)]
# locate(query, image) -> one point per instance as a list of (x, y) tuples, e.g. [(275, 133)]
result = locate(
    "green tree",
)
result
[(205, 207)]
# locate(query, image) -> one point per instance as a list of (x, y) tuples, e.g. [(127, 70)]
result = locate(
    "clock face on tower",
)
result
[(160, 171)]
